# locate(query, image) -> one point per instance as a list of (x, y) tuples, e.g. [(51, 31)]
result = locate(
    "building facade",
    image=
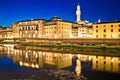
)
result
[(106, 30), (41, 28), (58, 28)]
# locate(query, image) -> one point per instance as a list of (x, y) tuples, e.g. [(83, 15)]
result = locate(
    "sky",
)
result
[(91, 10)]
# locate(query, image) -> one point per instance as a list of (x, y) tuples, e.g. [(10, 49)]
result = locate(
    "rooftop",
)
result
[(30, 20), (108, 22)]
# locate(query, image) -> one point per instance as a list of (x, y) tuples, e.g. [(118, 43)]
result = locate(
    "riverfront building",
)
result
[(106, 30), (58, 28)]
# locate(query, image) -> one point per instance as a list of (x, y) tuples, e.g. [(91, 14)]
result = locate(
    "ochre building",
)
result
[(106, 30)]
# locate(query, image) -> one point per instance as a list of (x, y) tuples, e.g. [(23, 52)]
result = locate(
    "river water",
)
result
[(28, 64)]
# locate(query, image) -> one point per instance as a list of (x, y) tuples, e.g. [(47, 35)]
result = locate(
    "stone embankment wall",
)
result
[(80, 41)]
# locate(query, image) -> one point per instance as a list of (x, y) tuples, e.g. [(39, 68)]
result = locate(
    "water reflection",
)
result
[(103, 63), (78, 68), (42, 59)]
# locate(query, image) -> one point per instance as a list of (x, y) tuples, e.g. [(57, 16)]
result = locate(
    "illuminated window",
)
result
[(25, 31), (112, 36)]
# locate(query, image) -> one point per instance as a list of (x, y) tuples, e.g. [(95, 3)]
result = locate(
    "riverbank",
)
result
[(95, 50), (72, 48)]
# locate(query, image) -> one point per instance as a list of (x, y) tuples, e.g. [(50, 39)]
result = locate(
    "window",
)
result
[(104, 36), (111, 25), (104, 57), (118, 35), (96, 36), (96, 56), (96, 61), (119, 25), (104, 26), (119, 30), (104, 30), (111, 30), (104, 62), (96, 26), (96, 30), (112, 36)]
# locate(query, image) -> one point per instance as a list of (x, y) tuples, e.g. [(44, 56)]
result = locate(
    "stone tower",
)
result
[(78, 13)]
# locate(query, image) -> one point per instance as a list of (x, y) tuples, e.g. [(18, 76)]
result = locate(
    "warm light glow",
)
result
[(70, 55), (32, 65), (21, 64), (25, 31), (37, 66), (36, 55), (55, 55), (78, 67), (112, 60), (26, 55), (26, 64), (79, 55)]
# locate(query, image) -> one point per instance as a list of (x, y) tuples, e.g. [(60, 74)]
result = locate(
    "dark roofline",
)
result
[(55, 17), (61, 21), (1, 26), (107, 22), (45, 20), (30, 20)]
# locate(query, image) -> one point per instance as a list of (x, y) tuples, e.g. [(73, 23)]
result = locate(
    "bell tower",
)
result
[(78, 13)]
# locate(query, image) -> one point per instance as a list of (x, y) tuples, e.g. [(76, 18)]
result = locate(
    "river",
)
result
[(29, 64)]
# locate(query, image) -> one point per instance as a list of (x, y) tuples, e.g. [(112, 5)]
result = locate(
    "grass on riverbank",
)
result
[(105, 49)]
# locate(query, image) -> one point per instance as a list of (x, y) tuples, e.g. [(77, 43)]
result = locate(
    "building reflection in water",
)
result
[(78, 67), (42, 59), (37, 59), (104, 63)]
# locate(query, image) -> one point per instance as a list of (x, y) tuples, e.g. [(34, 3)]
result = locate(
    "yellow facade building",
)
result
[(106, 30), (53, 28), (28, 28), (57, 28)]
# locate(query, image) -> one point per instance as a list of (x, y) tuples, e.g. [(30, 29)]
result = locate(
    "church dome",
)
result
[(55, 18)]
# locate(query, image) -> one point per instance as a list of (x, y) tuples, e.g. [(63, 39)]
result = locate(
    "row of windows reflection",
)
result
[(38, 59), (110, 35)]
